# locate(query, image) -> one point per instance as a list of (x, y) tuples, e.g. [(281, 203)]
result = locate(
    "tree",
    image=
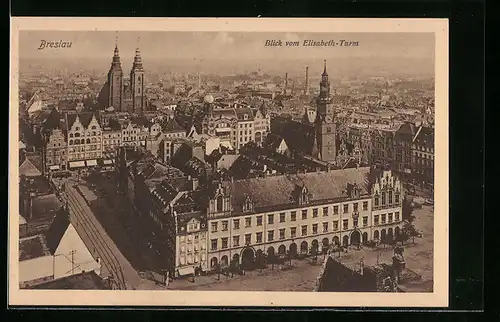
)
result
[(408, 220), (314, 253), (401, 237), (324, 250), (271, 259), (407, 210), (218, 270), (409, 230), (289, 257)]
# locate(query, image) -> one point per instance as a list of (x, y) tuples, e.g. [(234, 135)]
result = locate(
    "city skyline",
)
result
[(236, 51)]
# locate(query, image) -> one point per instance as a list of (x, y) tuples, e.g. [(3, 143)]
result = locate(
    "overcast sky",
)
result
[(223, 45)]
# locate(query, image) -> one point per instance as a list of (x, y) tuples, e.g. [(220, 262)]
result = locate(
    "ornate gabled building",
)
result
[(235, 126), (287, 214), (126, 95), (84, 137), (387, 202)]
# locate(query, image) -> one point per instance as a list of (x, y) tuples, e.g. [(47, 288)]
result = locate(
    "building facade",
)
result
[(423, 156), (288, 214), (84, 137), (111, 139), (56, 150), (163, 147), (387, 201), (235, 126)]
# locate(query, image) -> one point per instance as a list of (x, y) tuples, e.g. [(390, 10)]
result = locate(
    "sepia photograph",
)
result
[(197, 156)]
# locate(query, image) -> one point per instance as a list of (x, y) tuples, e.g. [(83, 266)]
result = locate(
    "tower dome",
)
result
[(208, 99)]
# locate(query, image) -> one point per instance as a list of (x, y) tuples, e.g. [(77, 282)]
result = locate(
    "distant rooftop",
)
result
[(82, 281), (32, 247)]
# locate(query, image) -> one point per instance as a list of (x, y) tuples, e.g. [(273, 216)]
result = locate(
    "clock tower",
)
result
[(324, 124)]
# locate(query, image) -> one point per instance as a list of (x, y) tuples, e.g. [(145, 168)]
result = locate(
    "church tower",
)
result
[(137, 84), (324, 124), (115, 82)]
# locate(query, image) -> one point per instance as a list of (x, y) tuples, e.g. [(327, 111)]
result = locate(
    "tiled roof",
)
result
[(27, 168), (279, 190), (32, 247), (224, 112), (141, 121), (170, 125), (53, 120), (113, 125), (82, 281), (184, 218), (407, 128), (242, 111), (425, 136), (273, 141), (43, 205), (56, 230)]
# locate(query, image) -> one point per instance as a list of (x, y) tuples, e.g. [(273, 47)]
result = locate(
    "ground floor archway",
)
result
[(355, 238), (293, 250), (365, 237), (397, 231), (247, 257), (336, 240), (345, 240), (315, 244), (270, 251), (383, 235), (224, 261), (259, 258), (282, 250), (390, 234), (304, 247), (236, 258), (213, 262), (376, 234), (325, 242)]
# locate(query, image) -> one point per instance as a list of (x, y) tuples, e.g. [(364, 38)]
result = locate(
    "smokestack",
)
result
[(307, 81), (199, 80), (286, 80)]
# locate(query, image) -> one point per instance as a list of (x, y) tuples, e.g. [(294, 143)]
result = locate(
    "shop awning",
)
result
[(76, 164), (183, 271), (226, 145), (91, 163), (54, 167), (223, 129), (108, 162)]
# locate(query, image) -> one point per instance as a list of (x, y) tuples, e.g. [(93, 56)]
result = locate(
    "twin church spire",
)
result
[(126, 96)]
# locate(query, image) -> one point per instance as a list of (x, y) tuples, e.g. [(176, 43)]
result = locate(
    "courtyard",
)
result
[(302, 275)]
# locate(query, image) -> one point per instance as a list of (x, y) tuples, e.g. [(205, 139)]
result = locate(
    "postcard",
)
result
[(228, 162)]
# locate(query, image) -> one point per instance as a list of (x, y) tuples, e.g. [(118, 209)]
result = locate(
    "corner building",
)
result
[(387, 194), (288, 213)]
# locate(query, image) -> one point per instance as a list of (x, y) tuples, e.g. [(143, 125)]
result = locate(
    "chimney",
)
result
[(307, 81), (195, 183), (30, 205), (286, 82)]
